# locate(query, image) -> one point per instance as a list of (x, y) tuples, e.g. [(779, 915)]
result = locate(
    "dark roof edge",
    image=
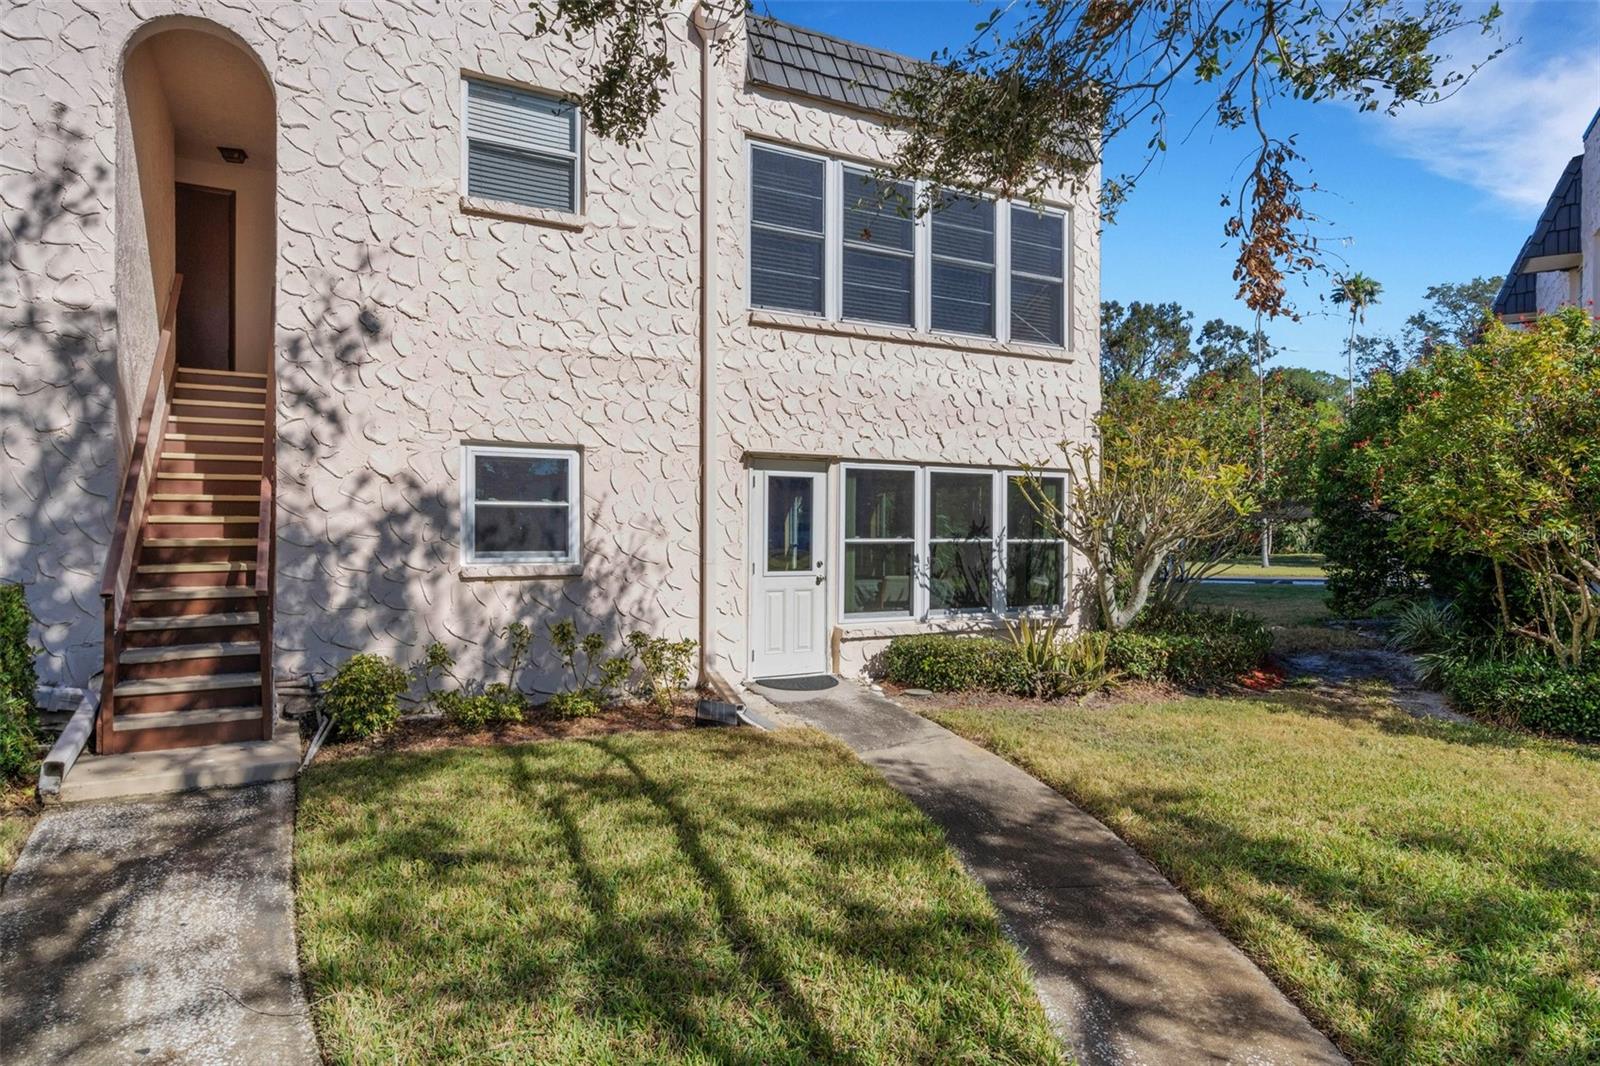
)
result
[(845, 41)]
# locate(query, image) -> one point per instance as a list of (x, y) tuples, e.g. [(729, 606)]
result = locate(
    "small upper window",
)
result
[(522, 147), (879, 250), (521, 505), (963, 266), (788, 194), (1038, 275)]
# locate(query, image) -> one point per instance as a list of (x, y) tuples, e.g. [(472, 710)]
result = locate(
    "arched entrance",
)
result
[(201, 120)]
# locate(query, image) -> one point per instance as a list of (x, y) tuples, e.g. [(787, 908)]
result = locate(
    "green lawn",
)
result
[(14, 829), (1430, 893), (1308, 565), (702, 896), (1280, 605)]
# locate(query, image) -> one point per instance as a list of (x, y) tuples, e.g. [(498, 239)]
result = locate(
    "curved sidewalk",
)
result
[(156, 931), (1128, 970)]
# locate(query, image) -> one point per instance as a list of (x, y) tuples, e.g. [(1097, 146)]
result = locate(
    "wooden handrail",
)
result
[(266, 547), (131, 503)]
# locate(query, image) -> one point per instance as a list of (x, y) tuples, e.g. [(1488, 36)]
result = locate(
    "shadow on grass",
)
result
[(695, 897)]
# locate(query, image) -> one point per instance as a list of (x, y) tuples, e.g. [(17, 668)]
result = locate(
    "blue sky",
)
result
[(1442, 193)]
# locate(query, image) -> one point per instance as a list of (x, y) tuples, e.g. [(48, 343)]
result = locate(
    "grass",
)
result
[(692, 897), (1430, 893), (1308, 565), (16, 823), (1279, 605)]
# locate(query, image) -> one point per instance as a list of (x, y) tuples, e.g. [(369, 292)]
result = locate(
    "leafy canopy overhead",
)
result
[(1030, 100)]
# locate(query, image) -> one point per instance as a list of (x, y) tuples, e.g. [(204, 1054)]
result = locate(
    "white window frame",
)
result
[(1066, 267), (1006, 539), (470, 504), (830, 229), (918, 522), (916, 296), (575, 156), (1001, 210), (922, 253)]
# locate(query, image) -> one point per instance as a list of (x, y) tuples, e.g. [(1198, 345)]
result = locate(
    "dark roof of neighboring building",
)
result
[(1556, 233), (799, 60)]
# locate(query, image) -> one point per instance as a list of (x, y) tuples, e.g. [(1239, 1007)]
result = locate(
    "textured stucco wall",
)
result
[(405, 326), (1590, 219)]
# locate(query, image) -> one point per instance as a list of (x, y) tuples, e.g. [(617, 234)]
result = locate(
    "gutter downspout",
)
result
[(706, 23)]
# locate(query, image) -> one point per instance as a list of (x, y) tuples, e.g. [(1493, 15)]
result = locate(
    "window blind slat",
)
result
[(786, 264), (785, 271)]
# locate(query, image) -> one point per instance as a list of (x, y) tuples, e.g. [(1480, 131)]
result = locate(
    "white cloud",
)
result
[(1511, 129)]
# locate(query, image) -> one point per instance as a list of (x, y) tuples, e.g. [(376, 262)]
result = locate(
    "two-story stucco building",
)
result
[(1559, 264), (441, 359)]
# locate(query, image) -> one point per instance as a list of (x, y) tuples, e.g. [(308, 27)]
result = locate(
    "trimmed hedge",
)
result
[(1191, 648), (19, 743), (1196, 649), (1534, 692)]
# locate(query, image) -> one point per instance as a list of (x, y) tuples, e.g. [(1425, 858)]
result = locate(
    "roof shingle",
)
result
[(798, 60)]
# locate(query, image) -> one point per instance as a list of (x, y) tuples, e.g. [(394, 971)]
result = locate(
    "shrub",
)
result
[(1533, 691), (1426, 625), (1199, 649), (665, 666), (363, 698), (474, 709), (594, 675), (19, 737), (579, 704), (945, 663)]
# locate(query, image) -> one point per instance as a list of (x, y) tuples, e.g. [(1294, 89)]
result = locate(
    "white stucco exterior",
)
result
[(407, 322)]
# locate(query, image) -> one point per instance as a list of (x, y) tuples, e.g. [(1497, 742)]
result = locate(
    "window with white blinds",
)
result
[(522, 147), (830, 238), (788, 213), (1038, 276), (879, 250)]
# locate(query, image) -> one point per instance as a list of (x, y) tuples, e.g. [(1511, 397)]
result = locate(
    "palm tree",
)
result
[(1357, 292)]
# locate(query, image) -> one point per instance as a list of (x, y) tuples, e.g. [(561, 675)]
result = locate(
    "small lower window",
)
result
[(960, 541), (1035, 561), (880, 530), (520, 505)]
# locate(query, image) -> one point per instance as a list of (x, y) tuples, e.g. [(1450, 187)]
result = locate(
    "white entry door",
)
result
[(789, 572)]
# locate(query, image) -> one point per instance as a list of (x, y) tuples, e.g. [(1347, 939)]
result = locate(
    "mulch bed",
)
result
[(431, 733)]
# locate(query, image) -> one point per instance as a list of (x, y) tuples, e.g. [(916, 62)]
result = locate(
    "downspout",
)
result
[(706, 23)]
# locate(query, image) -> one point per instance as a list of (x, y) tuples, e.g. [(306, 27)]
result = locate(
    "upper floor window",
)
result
[(520, 505), (963, 266), (522, 147), (1038, 276), (828, 238), (788, 208)]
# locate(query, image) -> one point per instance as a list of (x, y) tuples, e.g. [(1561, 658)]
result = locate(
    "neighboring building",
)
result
[(480, 345), (1559, 266)]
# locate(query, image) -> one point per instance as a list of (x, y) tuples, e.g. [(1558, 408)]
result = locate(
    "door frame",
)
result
[(821, 546), (232, 196)]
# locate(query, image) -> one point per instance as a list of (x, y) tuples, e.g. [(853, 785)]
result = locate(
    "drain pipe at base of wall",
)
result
[(718, 702)]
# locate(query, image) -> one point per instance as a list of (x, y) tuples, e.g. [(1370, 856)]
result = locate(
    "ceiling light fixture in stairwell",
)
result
[(232, 155)]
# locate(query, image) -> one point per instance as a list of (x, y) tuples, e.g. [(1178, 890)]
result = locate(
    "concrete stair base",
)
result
[(147, 773)]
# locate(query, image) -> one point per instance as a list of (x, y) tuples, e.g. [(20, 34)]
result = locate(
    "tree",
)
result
[(1151, 492), (1500, 456), (1356, 292), (1144, 342), (1455, 314), (1030, 100), (1378, 354), (1223, 348)]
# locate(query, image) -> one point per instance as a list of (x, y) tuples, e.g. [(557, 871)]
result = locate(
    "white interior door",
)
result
[(789, 573)]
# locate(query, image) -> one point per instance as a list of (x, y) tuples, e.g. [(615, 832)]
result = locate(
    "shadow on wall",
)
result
[(369, 528), (58, 398)]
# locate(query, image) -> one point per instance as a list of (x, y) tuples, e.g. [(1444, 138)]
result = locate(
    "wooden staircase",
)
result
[(189, 586)]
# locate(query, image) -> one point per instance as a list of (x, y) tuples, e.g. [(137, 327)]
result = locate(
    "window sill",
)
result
[(520, 571), (868, 331), (510, 212), (879, 629)]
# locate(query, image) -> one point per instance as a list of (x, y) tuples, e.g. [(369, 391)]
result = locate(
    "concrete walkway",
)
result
[(157, 931), (1128, 970)]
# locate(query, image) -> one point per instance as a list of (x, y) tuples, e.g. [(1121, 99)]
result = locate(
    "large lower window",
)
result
[(1035, 560), (520, 504), (960, 541), (522, 147), (880, 531), (788, 199)]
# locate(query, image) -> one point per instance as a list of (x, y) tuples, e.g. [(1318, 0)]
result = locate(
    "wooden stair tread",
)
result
[(200, 542), (159, 686), (195, 621), (201, 519), (243, 405), (169, 719), (193, 592), (246, 458), (227, 565), (218, 420), (255, 390), (222, 373), (214, 650), (202, 475), (213, 438), (204, 497)]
